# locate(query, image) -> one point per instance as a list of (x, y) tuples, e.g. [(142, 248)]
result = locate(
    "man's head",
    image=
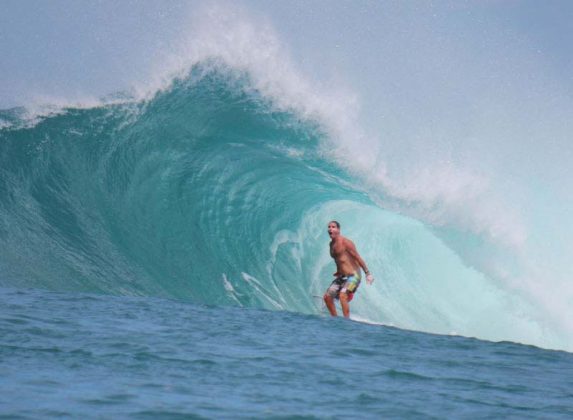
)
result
[(333, 229)]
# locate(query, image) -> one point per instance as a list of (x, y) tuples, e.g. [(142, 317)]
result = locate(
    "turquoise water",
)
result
[(210, 193), (163, 257), (84, 355)]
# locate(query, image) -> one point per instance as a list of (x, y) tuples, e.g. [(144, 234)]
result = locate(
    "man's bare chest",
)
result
[(337, 250)]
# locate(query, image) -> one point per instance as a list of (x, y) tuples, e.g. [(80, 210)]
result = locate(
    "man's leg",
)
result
[(344, 304), (329, 300)]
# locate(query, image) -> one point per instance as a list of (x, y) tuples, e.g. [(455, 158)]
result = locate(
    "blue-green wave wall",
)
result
[(208, 193)]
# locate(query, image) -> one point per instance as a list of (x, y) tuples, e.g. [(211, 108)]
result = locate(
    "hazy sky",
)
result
[(74, 48)]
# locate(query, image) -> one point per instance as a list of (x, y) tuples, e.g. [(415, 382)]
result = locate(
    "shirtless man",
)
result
[(348, 264)]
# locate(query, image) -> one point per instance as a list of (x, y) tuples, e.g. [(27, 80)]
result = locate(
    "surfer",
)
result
[(347, 276)]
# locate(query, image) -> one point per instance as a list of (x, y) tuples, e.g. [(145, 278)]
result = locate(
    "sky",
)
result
[(78, 48)]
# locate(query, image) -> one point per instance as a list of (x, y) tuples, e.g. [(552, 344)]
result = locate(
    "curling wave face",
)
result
[(208, 193)]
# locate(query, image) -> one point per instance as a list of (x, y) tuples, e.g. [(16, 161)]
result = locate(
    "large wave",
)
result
[(208, 192), (213, 181)]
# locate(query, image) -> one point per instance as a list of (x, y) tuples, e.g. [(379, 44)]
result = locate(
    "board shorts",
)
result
[(344, 284)]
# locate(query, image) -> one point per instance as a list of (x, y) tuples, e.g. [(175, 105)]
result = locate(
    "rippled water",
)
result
[(83, 355)]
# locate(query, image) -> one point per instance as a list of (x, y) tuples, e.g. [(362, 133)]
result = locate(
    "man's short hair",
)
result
[(335, 222)]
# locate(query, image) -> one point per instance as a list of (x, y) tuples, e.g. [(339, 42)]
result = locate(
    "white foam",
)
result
[(259, 289), (230, 289), (40, 107)]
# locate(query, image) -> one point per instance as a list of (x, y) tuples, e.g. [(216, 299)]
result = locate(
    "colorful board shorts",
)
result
[(344, 284)]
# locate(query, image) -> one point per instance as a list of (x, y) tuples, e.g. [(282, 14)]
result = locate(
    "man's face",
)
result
[(333, 230)]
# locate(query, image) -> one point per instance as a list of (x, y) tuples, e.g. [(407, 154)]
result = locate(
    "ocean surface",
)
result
[(164, 257), (81, 355)]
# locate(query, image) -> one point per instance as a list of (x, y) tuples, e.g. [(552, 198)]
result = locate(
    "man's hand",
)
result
[(369, 278)]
